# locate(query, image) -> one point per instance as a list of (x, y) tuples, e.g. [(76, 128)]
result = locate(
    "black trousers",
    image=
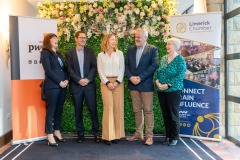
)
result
[(90, 98), (54, 107), (169, 103)]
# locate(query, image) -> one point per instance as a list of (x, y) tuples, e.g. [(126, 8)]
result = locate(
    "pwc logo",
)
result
[(36, 47)]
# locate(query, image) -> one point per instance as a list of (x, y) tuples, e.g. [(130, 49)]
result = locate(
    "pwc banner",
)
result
[(201, 40), (28, 110)]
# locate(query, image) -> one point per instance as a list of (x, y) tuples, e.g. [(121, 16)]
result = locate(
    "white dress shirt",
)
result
[(111, 66), (80, 55), (139, 54)]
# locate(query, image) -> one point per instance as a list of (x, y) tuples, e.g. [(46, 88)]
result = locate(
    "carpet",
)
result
[(124, 150)]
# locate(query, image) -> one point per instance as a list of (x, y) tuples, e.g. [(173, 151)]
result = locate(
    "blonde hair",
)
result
[(105, 40)]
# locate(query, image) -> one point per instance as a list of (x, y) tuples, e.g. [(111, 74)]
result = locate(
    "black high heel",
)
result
[(52, 144), (108, 143), (59, 140)]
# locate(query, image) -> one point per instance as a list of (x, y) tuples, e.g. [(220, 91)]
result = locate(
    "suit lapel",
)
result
[(135, 56), (75, 60), (145, 51)]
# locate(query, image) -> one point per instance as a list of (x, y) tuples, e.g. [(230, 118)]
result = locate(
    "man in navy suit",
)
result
[(82, 66), (140, 64)]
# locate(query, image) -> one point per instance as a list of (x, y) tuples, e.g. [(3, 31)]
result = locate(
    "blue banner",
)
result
[(199, 110)]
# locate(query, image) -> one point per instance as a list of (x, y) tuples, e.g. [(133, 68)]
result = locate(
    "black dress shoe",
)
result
[(108, 143), (173, 142), (52, 144), (115, 141), (166, 141), (80, 139), (97, 138), (59, 140)]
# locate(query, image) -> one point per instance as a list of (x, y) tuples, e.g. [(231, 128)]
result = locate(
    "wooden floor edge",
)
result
[(6, 138)]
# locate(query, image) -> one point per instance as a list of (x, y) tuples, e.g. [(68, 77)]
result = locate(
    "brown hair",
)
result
[(77, 33), (46, 41), (104, 43)]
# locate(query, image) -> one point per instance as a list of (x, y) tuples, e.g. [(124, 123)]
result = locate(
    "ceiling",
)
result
[(182, 4)]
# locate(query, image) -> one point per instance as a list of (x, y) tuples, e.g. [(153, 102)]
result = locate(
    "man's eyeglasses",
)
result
[(82, 37)]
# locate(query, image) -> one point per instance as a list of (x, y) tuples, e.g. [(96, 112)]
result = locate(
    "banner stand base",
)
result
[(28, 140), (201, 138)]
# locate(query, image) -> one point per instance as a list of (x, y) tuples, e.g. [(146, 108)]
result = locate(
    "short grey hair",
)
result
[(142, 30), (176, 42)]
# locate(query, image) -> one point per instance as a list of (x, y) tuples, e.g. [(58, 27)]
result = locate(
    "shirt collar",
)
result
[(79, 49), (141, 48)]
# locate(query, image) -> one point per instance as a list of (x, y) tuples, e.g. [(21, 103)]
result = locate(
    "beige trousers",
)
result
[(143, 109), (113, 111)]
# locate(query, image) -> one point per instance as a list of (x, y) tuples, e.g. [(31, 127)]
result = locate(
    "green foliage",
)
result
[(121, 18), (68, 120)]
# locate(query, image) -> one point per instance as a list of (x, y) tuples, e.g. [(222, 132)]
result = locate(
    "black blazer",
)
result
[(147, 66), (54, 73), (90, 68)]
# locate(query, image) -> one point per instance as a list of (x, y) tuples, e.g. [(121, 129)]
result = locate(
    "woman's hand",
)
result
[(161, 86), (115, 84), (110, 86)]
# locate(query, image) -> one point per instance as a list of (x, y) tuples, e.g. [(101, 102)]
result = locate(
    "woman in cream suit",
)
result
[(110, 63)]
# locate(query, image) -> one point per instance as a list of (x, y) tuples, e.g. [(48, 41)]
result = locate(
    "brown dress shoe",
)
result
[(135, 137), (149, 141)]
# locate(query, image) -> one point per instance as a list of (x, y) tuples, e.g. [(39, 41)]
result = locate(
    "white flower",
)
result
[(115, 26), (145, 7), (112, 5), (57, 6), (142, 14), (71, 5), (136, 10), (159, 18), (116, 10), (67, 19), (160, 2), (121, 8), (95, 5), (154, 5), (130, 12)]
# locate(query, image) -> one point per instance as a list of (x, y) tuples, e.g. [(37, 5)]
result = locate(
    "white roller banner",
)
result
[(204, 27), (28, 110), (200, 104)]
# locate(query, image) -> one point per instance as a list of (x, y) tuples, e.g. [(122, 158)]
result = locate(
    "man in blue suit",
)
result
[(140, 64), (82, 66)]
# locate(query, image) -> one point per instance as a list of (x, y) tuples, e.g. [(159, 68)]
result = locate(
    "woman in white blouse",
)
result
[(110, 63)]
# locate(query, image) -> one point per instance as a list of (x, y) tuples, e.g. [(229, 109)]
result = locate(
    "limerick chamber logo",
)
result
[(181, 27)]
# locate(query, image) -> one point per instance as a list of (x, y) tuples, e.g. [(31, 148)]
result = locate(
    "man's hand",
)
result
[(84, 82), (135, 80)]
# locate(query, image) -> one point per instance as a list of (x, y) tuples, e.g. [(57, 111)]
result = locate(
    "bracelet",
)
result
[(107, 82), (118, 81), (169, 85)]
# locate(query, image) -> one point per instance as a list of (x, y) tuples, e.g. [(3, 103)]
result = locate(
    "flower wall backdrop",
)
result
[(121, 17)]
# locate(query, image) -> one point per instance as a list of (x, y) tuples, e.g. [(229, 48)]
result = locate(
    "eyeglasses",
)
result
[(82, 37)]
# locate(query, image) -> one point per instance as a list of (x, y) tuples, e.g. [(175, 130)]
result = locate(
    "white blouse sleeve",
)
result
[(100, 64), (121, 67)]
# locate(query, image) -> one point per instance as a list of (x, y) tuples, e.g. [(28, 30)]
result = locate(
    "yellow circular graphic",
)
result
[(181, 27), (211, 120), (200, 119)]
